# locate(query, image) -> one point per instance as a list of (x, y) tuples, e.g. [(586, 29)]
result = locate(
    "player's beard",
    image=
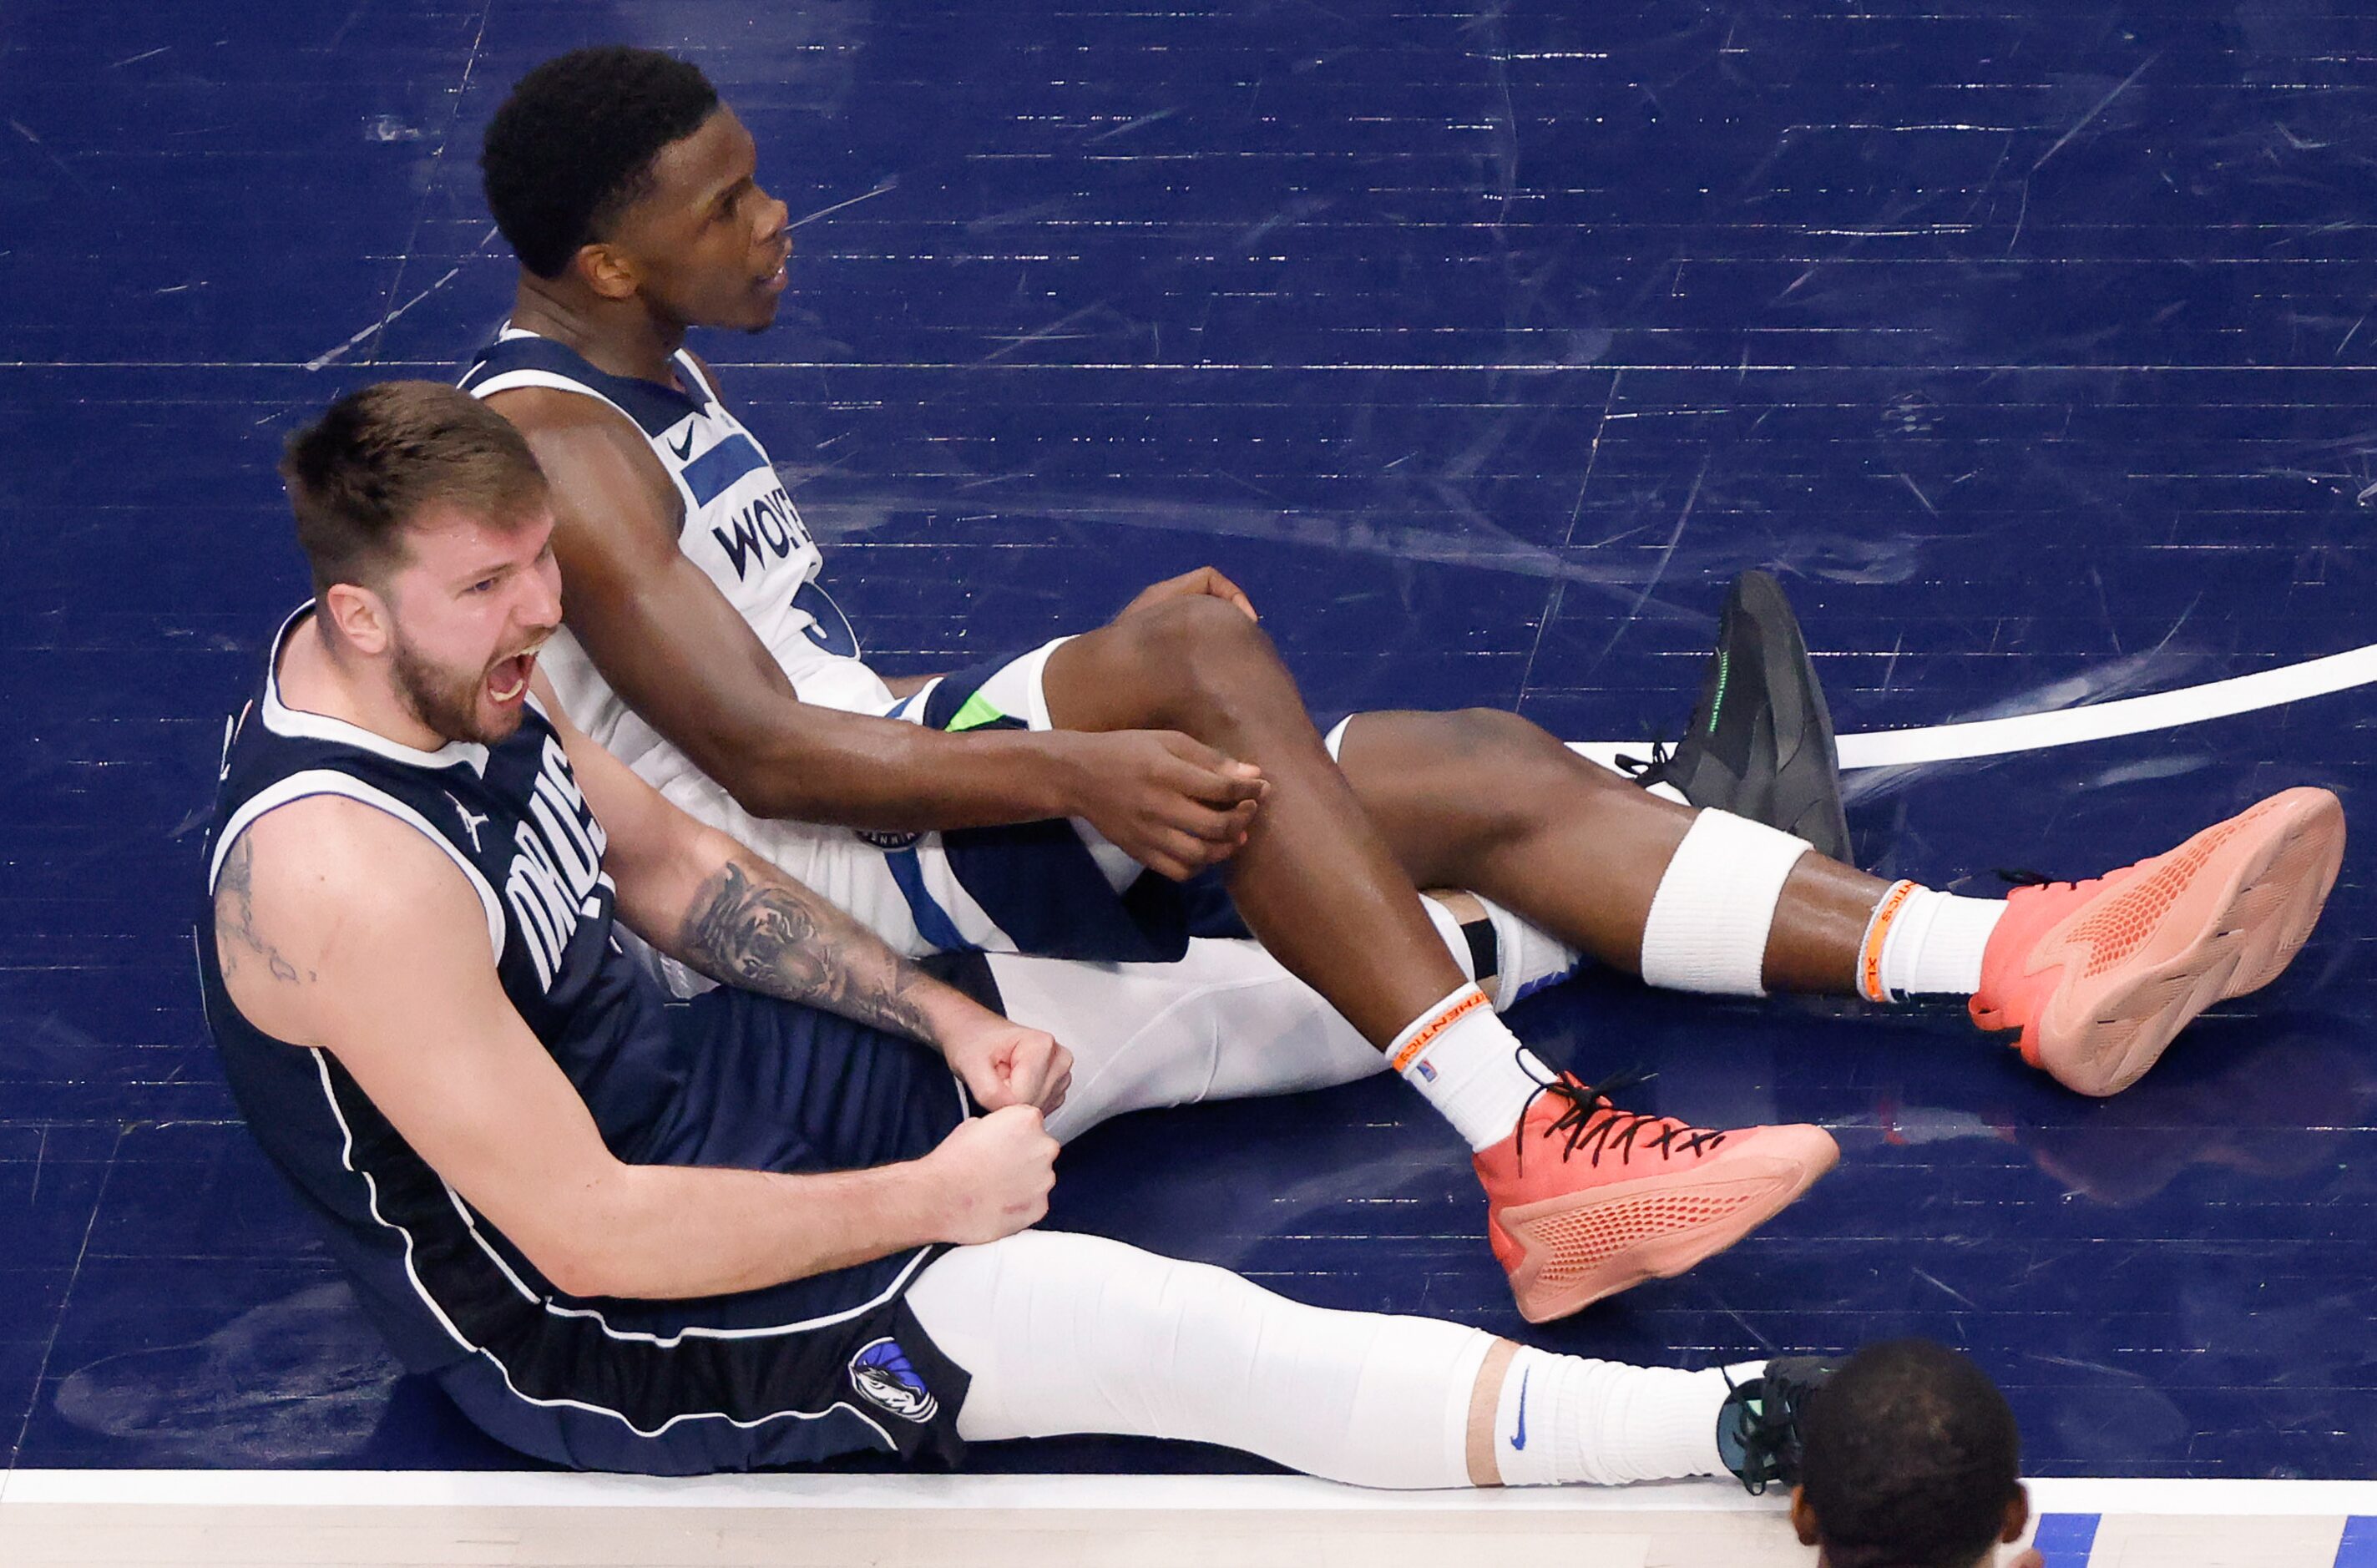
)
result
[(447, 702)]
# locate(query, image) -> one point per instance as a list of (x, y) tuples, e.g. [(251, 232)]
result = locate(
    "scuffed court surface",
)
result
[(2029, 343)]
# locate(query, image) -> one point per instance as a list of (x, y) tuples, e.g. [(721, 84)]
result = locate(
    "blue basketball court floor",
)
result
[(2029, 344)]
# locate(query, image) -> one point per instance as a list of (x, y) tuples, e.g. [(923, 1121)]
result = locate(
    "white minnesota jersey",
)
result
[(740, 528)]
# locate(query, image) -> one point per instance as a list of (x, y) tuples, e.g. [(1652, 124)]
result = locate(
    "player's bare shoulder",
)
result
[(327, 899), (595, 459)]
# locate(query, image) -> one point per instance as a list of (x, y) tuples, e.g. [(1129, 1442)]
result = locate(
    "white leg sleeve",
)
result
[(1074, 1333), (1225, 1022), (1715, 904)]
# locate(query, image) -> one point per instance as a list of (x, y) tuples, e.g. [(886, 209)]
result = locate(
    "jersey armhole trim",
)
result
[(514, 380), (694, 368), (326, 781)]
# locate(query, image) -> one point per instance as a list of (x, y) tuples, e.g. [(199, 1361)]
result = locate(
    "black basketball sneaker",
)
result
[(1758, 1427), (1760, 744)]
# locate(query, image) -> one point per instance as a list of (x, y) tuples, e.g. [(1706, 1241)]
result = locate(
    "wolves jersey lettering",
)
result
[(740, 528)]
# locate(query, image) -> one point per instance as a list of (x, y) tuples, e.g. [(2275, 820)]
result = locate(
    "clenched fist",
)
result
[(1004, 1063), (991, 1176)]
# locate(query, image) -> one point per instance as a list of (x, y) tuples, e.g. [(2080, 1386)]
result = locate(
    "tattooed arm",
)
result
[(383, 962), (707, 901), (242, 949), (749, 925)]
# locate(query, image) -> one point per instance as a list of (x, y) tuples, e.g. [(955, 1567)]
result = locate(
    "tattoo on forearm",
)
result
[(756, 930), (236, 938)]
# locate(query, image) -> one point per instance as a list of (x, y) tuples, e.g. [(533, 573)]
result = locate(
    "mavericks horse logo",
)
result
[(882, 1375)]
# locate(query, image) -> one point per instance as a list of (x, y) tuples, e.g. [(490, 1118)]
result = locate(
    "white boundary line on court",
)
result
[(468, 1488), (2097, 721), (2103, 721), (1880, 748)]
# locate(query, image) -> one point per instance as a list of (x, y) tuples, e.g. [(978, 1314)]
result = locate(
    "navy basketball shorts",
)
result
[(1053, 889), (835, 1363)]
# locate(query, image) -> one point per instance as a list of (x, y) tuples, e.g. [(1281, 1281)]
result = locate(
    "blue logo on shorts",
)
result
[(1426, 1072), (881, 1374)]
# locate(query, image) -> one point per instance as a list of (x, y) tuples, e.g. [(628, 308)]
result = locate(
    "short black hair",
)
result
[(574, 145), (1911, 1457)]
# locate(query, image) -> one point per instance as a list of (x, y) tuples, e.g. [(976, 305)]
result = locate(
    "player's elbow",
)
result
[(752, 766), (765, 795), (580, 1271), (590, 1247)]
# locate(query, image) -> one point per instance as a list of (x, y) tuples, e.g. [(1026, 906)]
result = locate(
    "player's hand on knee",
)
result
[(994, 1174), (1203, 580), (1168, 800), (1003, 1063)]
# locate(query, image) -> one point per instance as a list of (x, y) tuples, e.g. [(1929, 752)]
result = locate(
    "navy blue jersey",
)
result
[(735, 1080)]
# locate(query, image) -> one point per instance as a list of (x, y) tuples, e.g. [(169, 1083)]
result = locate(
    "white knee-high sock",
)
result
[(1454, 933), (1566, 1418), (1529, 958), (1076, 1333), (1526, 957), (1224, 1022)]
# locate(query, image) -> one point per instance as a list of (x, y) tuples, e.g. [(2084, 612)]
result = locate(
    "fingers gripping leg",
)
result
[(1225, 1022)]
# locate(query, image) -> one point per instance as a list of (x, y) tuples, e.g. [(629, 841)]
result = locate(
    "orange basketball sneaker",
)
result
[(1583, 1200), (2098, 976)]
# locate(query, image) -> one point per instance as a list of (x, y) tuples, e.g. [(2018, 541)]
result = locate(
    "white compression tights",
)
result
[(1073, 1333), (1225, 1023)]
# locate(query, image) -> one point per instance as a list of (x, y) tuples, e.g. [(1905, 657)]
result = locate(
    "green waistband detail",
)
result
[(976, 712)]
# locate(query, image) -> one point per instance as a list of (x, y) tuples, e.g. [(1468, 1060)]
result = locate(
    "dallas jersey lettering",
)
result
[(739, 527), (734, 1080)]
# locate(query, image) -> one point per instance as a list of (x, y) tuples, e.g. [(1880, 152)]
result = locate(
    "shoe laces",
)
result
[(1589, 1121), (1647, 770), (2020, 878), (1766, 1442), (1767, 1427)]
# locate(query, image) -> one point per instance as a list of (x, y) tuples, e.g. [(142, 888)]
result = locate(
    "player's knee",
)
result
[(1201, 651), (1517, 750), (1502, 779), (1198, 624)]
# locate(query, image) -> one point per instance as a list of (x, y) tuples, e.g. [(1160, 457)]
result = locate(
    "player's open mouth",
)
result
[(509, 677)]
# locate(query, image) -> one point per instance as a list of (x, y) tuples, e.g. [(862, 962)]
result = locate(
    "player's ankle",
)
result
[(1923, 942), (1568, 1419), (1469, 1066)]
